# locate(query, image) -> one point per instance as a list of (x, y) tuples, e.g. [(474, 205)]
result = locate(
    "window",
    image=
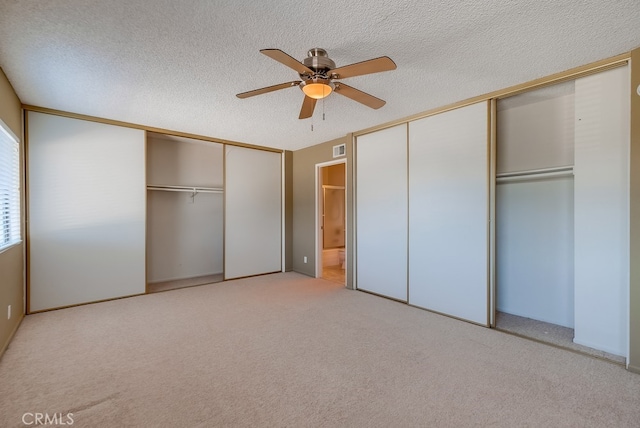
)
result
[(9, 188)]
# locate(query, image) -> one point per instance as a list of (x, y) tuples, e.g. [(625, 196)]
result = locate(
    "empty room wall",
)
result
[(12, 259)]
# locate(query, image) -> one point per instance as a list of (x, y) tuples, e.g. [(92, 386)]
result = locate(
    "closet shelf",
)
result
[(192, 190)]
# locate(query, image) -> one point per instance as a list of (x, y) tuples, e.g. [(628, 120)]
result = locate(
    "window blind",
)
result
[(9, 188)]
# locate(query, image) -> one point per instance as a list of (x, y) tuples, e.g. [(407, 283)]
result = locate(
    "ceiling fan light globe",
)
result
[(317, 90)]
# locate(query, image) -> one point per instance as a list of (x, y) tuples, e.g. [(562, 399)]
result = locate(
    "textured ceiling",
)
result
[(178, 64)]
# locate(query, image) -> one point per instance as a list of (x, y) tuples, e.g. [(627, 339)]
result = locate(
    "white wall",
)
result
[(86, 211), (602, 211)]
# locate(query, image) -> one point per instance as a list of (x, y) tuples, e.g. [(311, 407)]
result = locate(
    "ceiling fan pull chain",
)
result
[(323, 108)]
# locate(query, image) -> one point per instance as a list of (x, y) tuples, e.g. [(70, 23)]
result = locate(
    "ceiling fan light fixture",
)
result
[(317, 89)]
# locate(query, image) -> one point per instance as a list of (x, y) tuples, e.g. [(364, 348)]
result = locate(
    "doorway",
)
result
[(331, 221)]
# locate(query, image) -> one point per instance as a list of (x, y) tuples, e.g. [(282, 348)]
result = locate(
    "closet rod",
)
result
[(532, 174), (187, 189)]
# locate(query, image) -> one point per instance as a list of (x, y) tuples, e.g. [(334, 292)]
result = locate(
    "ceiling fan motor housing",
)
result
[(318, 60)]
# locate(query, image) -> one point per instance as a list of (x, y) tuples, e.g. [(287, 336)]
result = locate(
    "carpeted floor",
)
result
[(286, 350), (549, 333)]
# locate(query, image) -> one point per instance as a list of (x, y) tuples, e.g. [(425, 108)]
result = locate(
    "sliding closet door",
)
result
[(602, 211), (448, 213), (253, 212), (381, 212), (86, 211)]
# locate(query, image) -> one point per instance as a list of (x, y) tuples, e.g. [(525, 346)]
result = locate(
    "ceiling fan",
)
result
[(318, 73)]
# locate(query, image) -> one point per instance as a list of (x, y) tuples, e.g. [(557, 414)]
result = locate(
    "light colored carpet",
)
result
[(549, 333), (285, 350)]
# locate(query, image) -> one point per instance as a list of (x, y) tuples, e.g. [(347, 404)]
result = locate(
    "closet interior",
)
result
[(560, 214), (534, 213), (185, 212)]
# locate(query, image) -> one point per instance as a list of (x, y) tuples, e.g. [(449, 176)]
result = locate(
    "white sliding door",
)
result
[(381, 212), (601, 195), (86, 211), (448, 213), (253, 212)]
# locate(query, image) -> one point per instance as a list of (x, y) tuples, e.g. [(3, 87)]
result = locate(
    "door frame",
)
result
[(318, 211)]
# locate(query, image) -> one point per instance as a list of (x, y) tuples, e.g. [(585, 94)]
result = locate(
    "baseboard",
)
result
[(10, 338), (303, 273), (633, 369)]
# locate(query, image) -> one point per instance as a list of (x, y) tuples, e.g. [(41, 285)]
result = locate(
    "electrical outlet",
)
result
[(305, 259), (9, 312)]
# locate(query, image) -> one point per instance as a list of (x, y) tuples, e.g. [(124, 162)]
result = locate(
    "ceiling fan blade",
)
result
[(359, 96), (307, 107), (268, 89), (287, 60), (376, 65)]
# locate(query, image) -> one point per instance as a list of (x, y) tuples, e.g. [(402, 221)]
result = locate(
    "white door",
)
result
[(448, 213), (253, 212), (87, 197), (381, 212), (601, 195)]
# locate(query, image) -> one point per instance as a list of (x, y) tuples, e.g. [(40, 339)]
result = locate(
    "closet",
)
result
[(185, 201), (534, 205), (559, 178), (562, 212), (116, 211)]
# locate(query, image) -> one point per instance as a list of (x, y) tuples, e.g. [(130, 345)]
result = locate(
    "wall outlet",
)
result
[(9, 312), (305, 259)]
